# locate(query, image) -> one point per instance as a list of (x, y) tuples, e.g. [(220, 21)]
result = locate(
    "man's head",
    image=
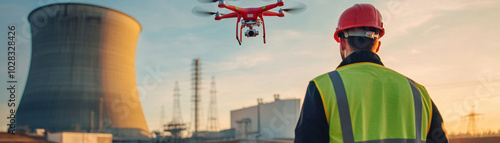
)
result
[(359, 29), (359, 39)]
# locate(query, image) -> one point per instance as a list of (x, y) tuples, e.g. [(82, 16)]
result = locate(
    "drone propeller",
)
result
[(211, 1), (208, 1), (296, 9), (202, 12)]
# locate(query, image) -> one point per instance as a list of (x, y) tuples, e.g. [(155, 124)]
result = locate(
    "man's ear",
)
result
[(342, 44), (378, 47)]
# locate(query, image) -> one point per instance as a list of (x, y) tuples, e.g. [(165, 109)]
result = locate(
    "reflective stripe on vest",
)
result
[(406, 123)]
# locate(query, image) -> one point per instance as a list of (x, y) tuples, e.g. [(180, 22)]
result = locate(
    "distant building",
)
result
[(76, 137), (228, 134), (277, 119), (82, 73)]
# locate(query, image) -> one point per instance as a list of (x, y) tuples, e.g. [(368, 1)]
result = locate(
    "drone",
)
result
[(249, 17)]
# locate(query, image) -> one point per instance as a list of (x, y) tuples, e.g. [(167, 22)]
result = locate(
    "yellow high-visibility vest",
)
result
[(369, 103)]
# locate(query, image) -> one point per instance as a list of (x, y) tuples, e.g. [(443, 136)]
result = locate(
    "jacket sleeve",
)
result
[(312, 126), (436, 132)]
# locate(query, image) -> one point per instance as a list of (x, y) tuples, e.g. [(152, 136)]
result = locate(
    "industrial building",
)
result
[(272, 120), (77, 137), (82, 73)]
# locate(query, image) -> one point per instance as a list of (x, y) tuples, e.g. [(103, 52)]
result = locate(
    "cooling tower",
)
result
[(82, 72)]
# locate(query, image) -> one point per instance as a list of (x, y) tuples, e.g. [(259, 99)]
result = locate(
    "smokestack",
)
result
[(82, 54)]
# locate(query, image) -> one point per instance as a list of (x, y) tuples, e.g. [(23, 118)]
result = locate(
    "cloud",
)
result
[(444, 42), (166, 14), (400, 17), (243, 62), (243, 73)]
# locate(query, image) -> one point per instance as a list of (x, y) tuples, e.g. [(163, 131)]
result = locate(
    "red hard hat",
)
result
[(360, 15)]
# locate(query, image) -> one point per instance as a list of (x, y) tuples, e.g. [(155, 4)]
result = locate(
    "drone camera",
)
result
[(251, 33)]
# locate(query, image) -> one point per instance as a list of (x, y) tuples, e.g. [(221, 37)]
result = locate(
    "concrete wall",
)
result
[(80, 54), (278, 120)]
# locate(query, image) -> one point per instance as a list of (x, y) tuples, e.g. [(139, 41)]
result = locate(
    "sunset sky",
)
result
[(452, 47)]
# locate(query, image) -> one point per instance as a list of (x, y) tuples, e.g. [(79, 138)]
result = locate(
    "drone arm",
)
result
[(263, 28), (237, 22), (270, 13), (230, 7), (230, 15), (271, 6)]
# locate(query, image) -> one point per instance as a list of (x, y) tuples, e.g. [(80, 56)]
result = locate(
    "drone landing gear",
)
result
[(237, 22), (263, 28), (241, 34), (251, 32)]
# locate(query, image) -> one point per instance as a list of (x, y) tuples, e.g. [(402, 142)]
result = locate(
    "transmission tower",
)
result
[(177, 117), (162, 116), (472, 125), (175, 127), (213, 122), (196, 94)]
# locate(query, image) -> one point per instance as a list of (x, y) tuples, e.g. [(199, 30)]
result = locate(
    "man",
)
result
[(363, 101)]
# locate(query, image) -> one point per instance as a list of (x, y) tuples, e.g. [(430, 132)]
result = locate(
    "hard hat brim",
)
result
[(337, 38)]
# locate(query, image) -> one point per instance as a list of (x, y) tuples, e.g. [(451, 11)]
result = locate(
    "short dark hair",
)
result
[(359, 43)]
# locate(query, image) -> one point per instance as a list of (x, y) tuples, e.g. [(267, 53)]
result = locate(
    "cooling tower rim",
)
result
[(84, 4)]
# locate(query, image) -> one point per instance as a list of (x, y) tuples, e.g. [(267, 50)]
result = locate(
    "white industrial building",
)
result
[(79, 137), (277, 119)]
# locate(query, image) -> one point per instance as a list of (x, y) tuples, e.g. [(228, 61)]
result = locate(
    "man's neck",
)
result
[(361, 56)]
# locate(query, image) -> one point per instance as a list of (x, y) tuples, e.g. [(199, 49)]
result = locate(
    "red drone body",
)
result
[(251, 17)]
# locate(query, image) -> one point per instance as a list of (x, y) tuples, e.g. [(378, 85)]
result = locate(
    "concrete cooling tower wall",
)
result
[(82, 72)]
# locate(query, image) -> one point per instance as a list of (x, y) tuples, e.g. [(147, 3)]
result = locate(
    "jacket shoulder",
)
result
[(322, 77)]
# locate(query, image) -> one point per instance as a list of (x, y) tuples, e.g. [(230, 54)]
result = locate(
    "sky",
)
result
[(449, 46)]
